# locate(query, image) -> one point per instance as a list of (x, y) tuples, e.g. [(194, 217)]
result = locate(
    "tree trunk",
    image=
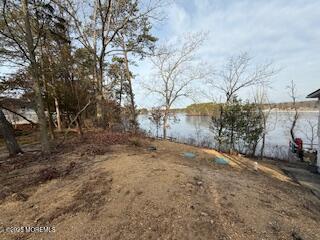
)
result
[(7, 132), (79, 128), (100, 111), (56, 103), (254, 149), (220, 128), (263, 135), (232, 139), (34, 69), (165, 120), (293, 125), (121, 90), (98, 77), (50, 122), (99, 96), (157, 131), (131, 94), (263, 145)]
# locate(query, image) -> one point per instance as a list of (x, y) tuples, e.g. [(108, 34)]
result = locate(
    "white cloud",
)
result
[(282, 30)]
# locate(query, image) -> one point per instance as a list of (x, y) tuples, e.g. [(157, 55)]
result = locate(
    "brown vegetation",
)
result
[(123, 190)]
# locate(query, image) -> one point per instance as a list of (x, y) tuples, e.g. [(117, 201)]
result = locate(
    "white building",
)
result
[(20, 106), (26, 112), (316, 94)]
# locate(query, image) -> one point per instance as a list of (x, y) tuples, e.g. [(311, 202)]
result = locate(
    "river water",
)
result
[(195, 130)]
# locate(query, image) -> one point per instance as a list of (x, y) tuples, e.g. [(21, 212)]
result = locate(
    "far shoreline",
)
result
[(208, 115)]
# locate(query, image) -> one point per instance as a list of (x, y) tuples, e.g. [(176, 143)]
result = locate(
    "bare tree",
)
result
[(310, 132), (31, 46), (265, 109), (98, 32), (175, 71), (239, 72), (20, 35), (292, 90), (156, 117)]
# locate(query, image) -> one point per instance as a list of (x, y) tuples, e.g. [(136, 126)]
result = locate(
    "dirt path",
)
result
[(128, 192)]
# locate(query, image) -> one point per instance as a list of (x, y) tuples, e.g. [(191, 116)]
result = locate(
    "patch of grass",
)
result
[(135, 142)]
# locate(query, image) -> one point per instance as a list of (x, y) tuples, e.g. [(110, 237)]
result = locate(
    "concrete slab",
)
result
[(305, 178)]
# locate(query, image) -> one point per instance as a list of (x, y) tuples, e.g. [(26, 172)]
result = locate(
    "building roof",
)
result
[(315, 94), (15, 103)]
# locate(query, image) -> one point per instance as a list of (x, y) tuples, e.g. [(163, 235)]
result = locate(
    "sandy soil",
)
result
[(124, 191)]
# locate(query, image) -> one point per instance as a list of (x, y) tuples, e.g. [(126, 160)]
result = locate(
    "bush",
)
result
[(135, 142), (238, 126)]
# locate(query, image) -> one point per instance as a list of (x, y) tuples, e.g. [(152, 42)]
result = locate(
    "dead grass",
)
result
[(112, 187)]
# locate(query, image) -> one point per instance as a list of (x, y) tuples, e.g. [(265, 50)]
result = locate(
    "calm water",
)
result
[(195, 130)]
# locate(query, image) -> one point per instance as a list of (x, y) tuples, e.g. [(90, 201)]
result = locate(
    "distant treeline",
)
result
[(213, 108), (303, 105), (144, 111), (205, 109), (202, 109)]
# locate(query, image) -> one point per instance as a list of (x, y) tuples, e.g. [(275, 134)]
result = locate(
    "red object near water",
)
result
[(299, 143)]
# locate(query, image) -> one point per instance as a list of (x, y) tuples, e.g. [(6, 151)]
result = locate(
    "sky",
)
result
[(286, 32)]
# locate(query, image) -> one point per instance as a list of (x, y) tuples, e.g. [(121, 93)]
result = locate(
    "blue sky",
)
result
[(284, 31)]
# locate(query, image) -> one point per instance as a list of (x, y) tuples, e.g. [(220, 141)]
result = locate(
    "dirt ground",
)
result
[(123, 190)]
